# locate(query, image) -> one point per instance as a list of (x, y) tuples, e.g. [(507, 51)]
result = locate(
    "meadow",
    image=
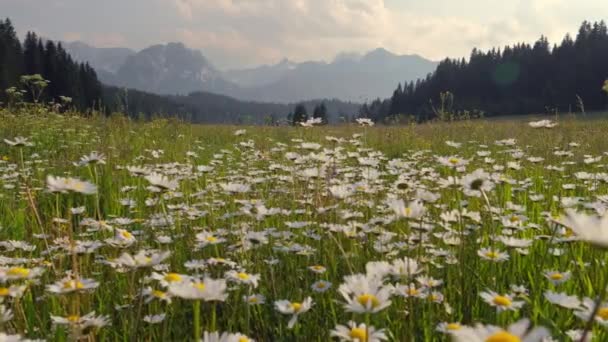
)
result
[(116, 230)]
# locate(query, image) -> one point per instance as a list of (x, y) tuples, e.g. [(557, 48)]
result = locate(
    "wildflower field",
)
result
[(114, 230)]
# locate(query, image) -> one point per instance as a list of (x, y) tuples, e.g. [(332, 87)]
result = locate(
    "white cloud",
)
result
[(319, 29)]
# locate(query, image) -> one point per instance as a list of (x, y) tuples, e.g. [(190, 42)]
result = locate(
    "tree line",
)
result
[(62, 78), (518, 79)]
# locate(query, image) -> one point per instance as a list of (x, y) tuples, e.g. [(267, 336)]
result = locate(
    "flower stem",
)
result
[(598, 304), (197, 320)]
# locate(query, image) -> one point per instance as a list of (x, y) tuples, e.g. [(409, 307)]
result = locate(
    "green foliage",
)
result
[(320, 112), (341, 234), (51, 63), (519, 79), (300, 114), (35, 84)]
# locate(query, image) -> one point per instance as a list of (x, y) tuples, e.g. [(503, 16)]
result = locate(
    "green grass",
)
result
[(27, 210)]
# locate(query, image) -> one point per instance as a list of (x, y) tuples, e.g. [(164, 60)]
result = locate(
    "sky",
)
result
[(246, 33)]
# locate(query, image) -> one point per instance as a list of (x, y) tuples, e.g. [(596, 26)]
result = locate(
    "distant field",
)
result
[(164, 231)]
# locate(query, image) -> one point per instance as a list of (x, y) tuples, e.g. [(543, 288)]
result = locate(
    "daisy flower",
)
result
[(476, 183), (19, 142), (207, 289), (410, 291), (66, 185), (589, 228), (317, 269), (413, 210), (557, 277), (587, 309), (166, 279), (453, 161), (365, 122), (563, 300), (321, 286), (243, 278), (405, 267), (161, 182), (255, 299), (492, 255), (447, 327), (15, 291), (151, 294), (501, 302), (154, 319), (516, 332), (358, 333), (70, 284), (364, 294), (143, 258), (293, 308), (122, 238), (225, 337), (19, 273)]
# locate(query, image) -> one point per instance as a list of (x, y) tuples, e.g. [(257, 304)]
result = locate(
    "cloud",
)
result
[(320, 29), (108, 39), (72, 36), (249, 32)]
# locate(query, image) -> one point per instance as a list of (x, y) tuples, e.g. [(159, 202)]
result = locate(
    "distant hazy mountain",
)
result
[(350, 77), (102, 59), (175, 69), (261, 76), (171, 69)]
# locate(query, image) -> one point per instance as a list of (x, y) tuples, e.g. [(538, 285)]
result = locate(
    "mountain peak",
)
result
[(379, 53)]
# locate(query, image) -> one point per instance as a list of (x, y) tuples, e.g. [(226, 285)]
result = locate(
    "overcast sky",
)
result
[(239, 33)]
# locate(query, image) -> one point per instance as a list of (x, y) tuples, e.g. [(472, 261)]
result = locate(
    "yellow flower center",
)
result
[(296, 306), (211, 239), (502, 301), (125, 234), (503, 336), (569, 232), (407, 211), (453, 326), (73, 318), (172, 277), (359, 334), (321, 285), (243, 276), (73, 284), (18, 272), (244, 339), (199, 286), (492, 254), (556, 276), (253, 300), (412, 291), (603, 314), (4, 291), (366, 299), (317, 268), (158, 294), (453, 161)]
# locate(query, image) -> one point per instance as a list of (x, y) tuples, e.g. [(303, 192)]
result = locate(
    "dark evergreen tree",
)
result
[(519, 79), (320, 112), (11, 57), (300, 114)]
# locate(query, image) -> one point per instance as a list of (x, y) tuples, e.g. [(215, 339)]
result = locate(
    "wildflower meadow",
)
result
[(117, 230)]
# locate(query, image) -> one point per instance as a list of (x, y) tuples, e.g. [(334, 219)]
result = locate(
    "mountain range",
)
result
[(174, 69)]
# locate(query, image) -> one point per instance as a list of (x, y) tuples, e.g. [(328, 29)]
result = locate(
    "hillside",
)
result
[(174, 69)]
